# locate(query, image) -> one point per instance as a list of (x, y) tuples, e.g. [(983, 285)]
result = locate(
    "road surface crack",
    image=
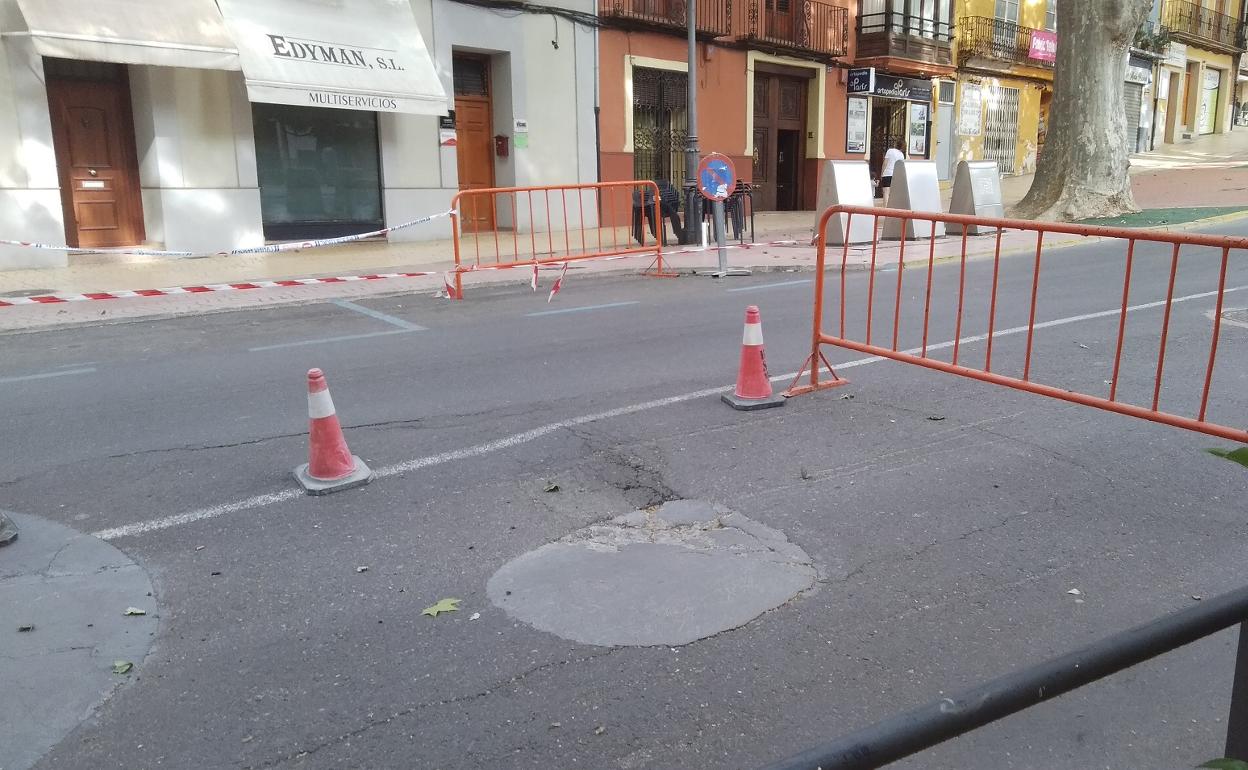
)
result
[(408, 711)]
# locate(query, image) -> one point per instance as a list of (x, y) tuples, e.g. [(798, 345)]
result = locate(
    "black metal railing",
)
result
[(914, 731), (714, 17), (1191, 21), (996, 39), (806, 25)]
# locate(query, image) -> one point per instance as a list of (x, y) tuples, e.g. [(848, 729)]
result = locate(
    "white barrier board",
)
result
[(976, 192), (915, 188), (846, 183)]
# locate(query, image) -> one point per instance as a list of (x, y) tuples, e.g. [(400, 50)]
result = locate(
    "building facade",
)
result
[(1197, 74), (194, 125), (770, 78), (1005, 51)]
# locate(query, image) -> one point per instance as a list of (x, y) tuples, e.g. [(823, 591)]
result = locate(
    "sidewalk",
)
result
[(1202, 174)]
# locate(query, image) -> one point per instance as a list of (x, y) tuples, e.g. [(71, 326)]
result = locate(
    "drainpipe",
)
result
[(693, 199)]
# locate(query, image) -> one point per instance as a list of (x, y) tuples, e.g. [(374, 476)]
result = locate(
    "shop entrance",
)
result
[(93, 140), (474, 143), (888, 129), (779, 140)]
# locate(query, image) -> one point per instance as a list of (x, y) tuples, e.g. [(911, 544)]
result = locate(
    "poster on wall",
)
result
[(856, 125), (918, 130), (971, 110)]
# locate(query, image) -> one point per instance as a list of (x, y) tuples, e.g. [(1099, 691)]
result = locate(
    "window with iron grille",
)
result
[(660, 125), (471, 75)]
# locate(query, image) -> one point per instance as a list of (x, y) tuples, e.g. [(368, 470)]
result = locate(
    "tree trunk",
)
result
[(1082, 172)]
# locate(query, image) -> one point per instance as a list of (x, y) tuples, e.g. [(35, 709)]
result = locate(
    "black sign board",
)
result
[(868, 81), (447, 121)]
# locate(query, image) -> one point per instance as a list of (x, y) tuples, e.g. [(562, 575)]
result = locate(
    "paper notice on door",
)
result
[(93, 184), (446, 137)]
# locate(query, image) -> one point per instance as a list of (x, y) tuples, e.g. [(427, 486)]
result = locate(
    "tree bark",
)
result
[(1083, 171)]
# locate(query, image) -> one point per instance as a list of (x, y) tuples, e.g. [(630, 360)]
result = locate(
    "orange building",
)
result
[(770, 91)]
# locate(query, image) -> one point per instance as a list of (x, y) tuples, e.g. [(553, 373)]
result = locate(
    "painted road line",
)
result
[(776, 285), (327, 340), (561, 311), (516, 439), (380, 316), (47, 375)]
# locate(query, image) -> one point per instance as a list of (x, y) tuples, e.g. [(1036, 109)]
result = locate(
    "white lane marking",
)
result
[(46, 375), (325, 340), (516, 439), (561, 311), (380, 316), (775, 285)]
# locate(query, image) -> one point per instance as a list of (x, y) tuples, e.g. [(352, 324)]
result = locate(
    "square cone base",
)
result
[(750, 404), (357, 478)]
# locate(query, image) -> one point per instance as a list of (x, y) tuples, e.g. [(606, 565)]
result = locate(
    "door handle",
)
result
[(92, 172)]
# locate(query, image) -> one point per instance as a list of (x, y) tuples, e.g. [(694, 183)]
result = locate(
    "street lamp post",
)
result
[(693, 199)]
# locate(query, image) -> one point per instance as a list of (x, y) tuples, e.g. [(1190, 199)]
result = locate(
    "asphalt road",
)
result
[(948, 518)]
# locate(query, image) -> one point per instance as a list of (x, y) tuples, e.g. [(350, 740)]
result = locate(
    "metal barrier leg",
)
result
[(1237, 719)]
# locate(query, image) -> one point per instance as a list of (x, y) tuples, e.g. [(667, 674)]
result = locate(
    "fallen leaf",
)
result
[(475, 616), (551, 487), (599, 730), (28, 627), (122, 666), (444, 605), (134, 611), (1075, 592), (1234, 455)]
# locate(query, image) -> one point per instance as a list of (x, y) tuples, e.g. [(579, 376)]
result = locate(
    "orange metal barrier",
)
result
[(1198, 420), (506, 227)]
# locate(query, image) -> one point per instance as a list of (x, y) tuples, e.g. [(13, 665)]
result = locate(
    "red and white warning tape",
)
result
[(448, 277), (272, 248)]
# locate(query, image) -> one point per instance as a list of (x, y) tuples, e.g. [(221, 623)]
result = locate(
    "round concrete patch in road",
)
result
[(63, 598), (669, 576)]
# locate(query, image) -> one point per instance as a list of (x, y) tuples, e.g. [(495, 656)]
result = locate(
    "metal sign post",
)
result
[(716, 179)]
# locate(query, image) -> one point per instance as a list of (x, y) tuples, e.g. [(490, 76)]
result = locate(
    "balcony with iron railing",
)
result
[(714, 17), (1193, 23), (905, 36), (806, 26), (998, 40)]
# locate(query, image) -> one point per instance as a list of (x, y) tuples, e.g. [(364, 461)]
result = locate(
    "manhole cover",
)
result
[(664, 576)]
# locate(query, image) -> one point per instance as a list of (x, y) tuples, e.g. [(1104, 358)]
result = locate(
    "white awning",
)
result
[(167, 33), (347, 54)]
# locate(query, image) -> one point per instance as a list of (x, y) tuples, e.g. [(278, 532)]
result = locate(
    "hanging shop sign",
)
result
[(867, 81), (1043, 46)]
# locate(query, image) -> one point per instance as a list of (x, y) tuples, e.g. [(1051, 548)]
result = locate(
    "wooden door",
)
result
[(474, 146), (779, 106), (93, 138)]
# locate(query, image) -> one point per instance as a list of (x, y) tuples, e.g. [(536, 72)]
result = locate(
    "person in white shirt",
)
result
[(891, 157)]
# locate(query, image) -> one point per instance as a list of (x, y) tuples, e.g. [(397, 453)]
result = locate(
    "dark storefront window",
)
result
[(319, 171)]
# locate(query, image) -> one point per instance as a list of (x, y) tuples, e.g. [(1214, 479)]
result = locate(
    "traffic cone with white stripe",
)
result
[(331, 467), (753, 389)]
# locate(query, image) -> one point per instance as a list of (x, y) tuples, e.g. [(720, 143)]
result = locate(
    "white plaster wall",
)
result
[(550, 88), (197, 159), (30, 200)]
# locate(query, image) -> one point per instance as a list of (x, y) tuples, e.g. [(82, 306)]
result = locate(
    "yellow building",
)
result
[(1197, 78), (1004, 51)]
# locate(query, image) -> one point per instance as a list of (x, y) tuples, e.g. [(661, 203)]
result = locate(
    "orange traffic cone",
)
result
[(753, 386), (331, 467)]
